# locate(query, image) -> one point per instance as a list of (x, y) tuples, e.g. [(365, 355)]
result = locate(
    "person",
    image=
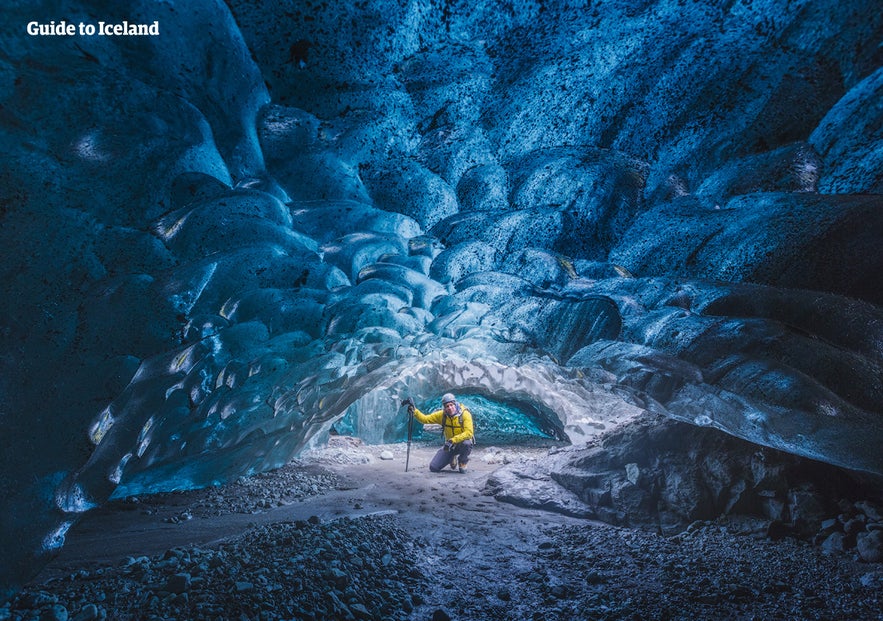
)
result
[(456, 422)]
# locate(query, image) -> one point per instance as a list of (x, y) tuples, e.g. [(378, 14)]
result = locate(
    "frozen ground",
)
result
[(345, 534)]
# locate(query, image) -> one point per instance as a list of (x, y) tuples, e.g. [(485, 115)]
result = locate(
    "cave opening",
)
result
[(497, 422)]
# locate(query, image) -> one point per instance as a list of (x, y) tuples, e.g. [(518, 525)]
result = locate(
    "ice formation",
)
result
[(221, 240)]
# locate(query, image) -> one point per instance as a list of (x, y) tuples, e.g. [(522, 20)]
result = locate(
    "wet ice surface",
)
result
[(357, 537)]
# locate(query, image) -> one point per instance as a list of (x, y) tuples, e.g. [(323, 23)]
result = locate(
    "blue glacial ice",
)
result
[(215, 248)]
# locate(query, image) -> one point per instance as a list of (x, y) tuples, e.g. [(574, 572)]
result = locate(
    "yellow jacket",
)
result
[(456, 428)]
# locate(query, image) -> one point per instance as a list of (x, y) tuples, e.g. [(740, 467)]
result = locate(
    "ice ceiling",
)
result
[(218, 241)]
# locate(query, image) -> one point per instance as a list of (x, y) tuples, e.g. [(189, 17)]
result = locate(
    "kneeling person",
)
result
[(456, 422)]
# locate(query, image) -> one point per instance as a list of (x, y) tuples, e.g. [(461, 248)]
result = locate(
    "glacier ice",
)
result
[(212, 254)]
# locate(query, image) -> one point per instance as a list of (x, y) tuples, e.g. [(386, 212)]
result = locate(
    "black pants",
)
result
[(443, 457)]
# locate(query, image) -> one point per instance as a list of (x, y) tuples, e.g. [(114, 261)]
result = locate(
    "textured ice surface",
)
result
[(580, 213)]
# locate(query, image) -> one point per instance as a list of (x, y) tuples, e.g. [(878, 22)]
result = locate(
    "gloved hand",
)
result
[(411, 406), (449, 445)]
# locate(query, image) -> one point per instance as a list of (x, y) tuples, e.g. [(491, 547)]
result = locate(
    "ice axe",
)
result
[(410, 403)]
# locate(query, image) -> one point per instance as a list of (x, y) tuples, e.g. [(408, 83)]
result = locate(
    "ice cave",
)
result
[(272, 221)]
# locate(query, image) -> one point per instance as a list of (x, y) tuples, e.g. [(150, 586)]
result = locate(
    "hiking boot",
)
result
[(462, 468), (454, 464)]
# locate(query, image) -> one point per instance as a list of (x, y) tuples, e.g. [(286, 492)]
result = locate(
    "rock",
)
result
[(87, 613), (854, 526), (829, 526), (834, 543), (593, 577), (872, 580), (530, 486), (178, 583), (870, 510), (338, 577), (440, 615), (772, 508), (386, 455), (807, 510), (870, 546), (56, 612)]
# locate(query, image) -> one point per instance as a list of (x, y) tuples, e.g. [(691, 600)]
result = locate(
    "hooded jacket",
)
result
[(457, 428)]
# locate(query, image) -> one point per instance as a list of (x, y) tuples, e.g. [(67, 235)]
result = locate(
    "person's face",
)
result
[(450, 408)]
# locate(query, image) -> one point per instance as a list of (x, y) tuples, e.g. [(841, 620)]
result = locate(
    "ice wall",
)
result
[(218, 241)]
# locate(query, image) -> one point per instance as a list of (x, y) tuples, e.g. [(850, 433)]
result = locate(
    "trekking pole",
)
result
[(410, 403)]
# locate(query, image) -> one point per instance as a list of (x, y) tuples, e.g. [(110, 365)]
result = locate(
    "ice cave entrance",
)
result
[(496, 423)]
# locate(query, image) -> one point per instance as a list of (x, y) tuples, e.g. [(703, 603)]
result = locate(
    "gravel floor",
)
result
[(434, 556)]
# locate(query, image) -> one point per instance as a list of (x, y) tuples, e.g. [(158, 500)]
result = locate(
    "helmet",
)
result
[(447, 398)]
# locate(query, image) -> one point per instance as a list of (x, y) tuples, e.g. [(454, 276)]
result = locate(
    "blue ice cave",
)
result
[(223, 239)]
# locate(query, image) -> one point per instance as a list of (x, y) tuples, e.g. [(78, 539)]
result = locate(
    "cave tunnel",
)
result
[(643, 235)]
